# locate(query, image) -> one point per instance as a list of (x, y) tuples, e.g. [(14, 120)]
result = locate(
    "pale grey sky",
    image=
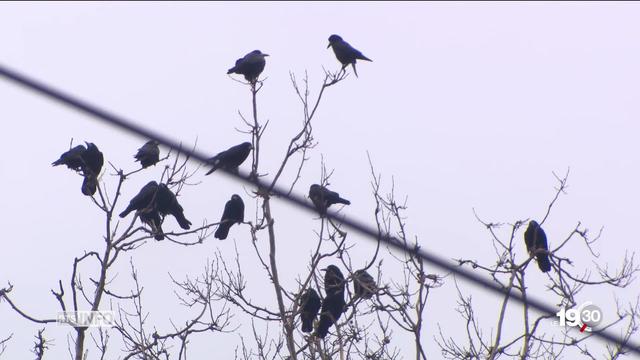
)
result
[(466, 105)]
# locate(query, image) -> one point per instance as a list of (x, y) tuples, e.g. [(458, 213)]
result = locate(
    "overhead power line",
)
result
[(358, 226)]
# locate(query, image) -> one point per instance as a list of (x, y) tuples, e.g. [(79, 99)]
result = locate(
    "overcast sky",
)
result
[(466, 105)]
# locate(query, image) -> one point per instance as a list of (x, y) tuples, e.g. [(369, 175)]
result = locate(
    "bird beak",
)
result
[(328, 46), (265, 54)]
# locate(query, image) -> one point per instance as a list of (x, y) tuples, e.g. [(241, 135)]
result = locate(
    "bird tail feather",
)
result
[(543, 263), (223, 230), (307, 325), (182, 221), (126, 211), (89, 185)]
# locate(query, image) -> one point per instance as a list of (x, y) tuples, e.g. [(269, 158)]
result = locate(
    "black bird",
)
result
[(231, 158), (148, 154), (322, 198), (72, 158), (154, 201), (345, 53), (332, 309), (364, 285), (309, 306), (88, 160), (536, 239), (167, 203), (93, 160), (251, 65), (333, 280), (233, 213), (144, 199)]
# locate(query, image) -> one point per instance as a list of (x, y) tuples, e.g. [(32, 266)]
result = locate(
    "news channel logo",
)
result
[(82, 318), (586, 317)]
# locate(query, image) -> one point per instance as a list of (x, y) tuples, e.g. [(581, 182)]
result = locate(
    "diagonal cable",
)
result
[(358, 226)]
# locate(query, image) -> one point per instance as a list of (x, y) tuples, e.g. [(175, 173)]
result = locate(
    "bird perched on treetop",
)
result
[(251, 65), (145, 203), (309, 306), (88, 160), (93, 160), (148, 154), (536, 239), (346, 53), (322, 198), (231, 158), (233, 213), (364, 285), (154, 200)]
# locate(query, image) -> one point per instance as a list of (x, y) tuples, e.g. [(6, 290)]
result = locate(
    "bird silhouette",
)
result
[(87, 160), (322, 198), (364, 285), (93, 160), (231, 158), (153, 202), (346, 53), (309, 306), (233, 213), (251, 65), (536, 239), (144, 199), (148, 154), (333, 280)]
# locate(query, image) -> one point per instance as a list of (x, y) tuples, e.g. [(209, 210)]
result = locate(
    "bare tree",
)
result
[(563, 283), (371, 327)]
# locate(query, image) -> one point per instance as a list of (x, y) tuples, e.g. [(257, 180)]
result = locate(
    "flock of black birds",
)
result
[(155, 201)]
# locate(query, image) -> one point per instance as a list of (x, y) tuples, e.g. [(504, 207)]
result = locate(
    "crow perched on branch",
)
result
[(333, 280), (233, 213), (309, 306), (333, 303), (154, 201), (93, 160), (364, 285), (88, 160), (536, 239), (231, 158), (143, 199), (345, 53), (322, 198), (148, 154), (251, 65), (145, 203)]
